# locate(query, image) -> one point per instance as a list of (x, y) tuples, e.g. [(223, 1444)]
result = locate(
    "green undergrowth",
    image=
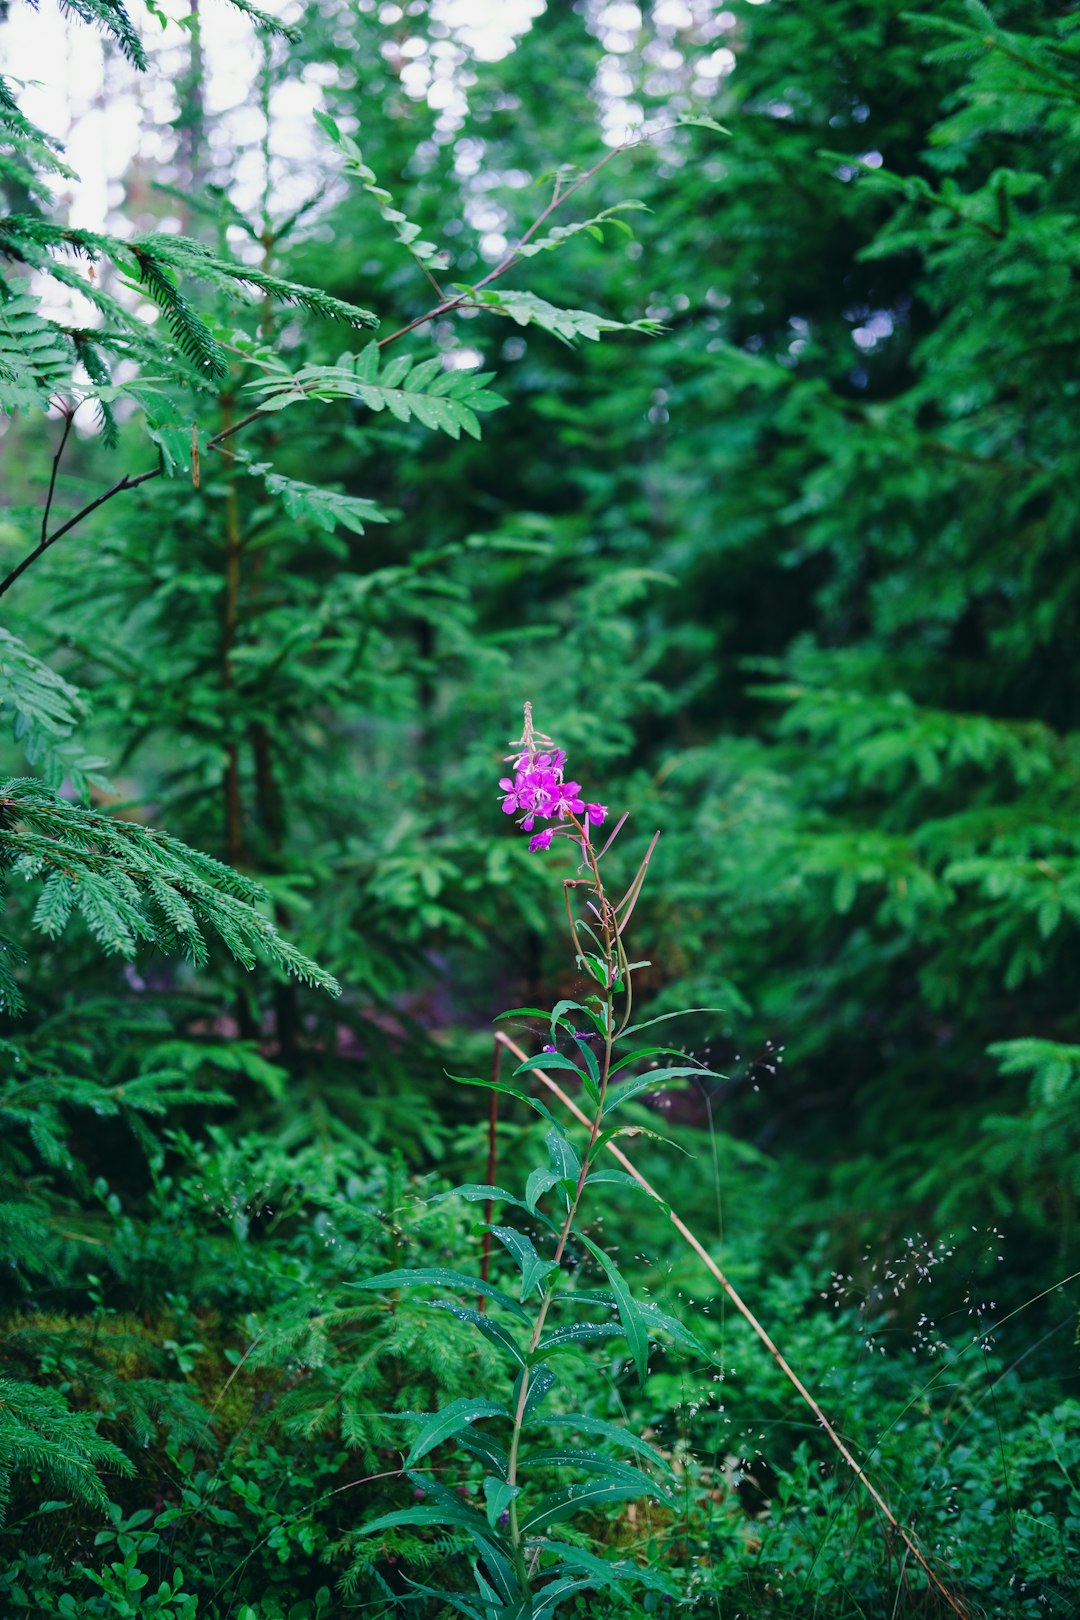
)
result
[(258, 1400)]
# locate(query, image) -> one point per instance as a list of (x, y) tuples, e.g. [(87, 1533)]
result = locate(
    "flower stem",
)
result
[(614, 955)]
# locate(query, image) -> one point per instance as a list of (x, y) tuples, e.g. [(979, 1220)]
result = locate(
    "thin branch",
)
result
[(127, 482), (745, 1311), (511, 258), (69, 417)]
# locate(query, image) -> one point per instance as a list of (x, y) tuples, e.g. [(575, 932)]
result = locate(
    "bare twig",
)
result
[(127, 482), (69, 417)]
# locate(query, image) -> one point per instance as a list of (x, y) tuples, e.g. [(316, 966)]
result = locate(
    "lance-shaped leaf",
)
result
[(533, 1267), (652, 1079), (547, 1060), (541, 1382), (589, 1076), (564, 1338), (557, 1591), (602, 1429), (590, 1082), (519, 1607), (561, 1008), (487, 1538), (450, 1420), (509, 1091), (564, 1160), (484, 1324), (606, 1572), (629, 1314), (442, 1277), (498, 1572), (564, 1172), (619, 1178), (481, 1191), (540, 1181), (590, 1462), (592, 1494), (644, 1052), (653, 1319), (657, 1321), (480, 1444), (498, 1494), (662, 1018), (460, 1602), (427, 1513), (614, 1131)]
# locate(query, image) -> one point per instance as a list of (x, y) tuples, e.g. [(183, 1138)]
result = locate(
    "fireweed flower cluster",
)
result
[(539, 792)]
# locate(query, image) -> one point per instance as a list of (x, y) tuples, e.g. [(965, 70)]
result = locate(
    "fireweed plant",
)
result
[(521, 1568), (502, 1506)]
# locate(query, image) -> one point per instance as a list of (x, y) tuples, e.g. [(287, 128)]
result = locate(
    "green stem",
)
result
[(613, 953)]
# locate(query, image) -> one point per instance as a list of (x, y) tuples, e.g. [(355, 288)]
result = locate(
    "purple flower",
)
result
[(568, 801), (537, 791)]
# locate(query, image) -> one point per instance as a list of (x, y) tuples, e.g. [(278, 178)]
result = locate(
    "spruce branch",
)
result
[(111, 16), (39, 1431), (135, 885)]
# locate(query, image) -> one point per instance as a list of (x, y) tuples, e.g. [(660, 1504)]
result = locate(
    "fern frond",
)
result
[(34, 152), (44, 711), (405, 230), (313, 503), (26, 1240), (526, 309), (11, 996), (35, 361), (445, 401), (98, 372)]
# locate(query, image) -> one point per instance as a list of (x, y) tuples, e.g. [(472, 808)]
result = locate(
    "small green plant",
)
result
[(520, 1563)]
